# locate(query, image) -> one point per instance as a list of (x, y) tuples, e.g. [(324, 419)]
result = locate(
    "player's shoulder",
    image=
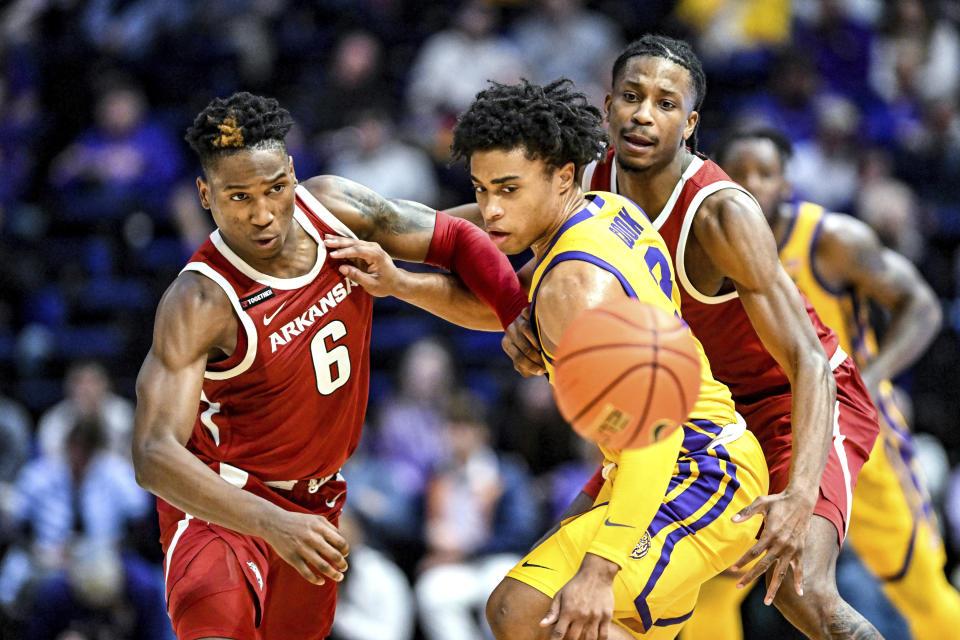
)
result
[(193, 294), (730, 209), (840, 232)]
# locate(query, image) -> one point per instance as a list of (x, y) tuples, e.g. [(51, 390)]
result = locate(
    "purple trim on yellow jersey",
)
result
[(584, 214), (813, 262), (563, 257), (666, 622), (906, 561), (710, 476)]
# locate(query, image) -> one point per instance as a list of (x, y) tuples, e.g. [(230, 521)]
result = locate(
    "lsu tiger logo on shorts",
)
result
[(642, 547)]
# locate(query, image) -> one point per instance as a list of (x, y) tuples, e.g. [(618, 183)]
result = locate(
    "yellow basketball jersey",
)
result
[(614, 234), (840, 309)]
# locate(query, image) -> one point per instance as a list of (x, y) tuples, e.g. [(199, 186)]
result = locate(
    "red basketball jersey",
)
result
[(737, 356), (289, 403)]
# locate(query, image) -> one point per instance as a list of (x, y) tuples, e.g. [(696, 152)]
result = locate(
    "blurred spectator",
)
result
[(72, 568), (788, 103), (88, 396), (480, 516), (825, 169), (839, 46), (374, 601), (564, 481), (371, 153), (456, 63), (530, 424), (130, 28), (354, 81), (127, 162), (917, 53), (730, 30), (389, 471), (888, 206), (15, 430), (560, 38)]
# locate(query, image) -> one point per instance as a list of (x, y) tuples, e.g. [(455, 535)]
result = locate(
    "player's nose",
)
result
[(262, 216), (641, 114)]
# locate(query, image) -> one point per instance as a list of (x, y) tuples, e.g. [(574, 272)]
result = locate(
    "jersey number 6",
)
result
[(324, 360)]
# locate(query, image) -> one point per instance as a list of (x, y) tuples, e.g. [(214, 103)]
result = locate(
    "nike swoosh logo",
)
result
[(333, 503), (538, 566), (268, 319), (617, 524)]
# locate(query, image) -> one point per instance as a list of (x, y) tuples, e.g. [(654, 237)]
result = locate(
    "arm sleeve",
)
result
[(594, 484), (639, 487), (464, 249)]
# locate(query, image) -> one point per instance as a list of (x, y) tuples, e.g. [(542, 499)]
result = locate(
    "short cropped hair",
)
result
[(722, 148), (554, 123)]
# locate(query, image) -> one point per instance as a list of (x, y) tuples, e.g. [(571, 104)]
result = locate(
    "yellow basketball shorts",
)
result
[(690, 540)]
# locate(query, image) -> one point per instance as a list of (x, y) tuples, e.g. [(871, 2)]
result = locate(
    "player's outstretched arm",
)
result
[(411, 231), (194, 318), (849, 254), (586, 602), (736, 238)]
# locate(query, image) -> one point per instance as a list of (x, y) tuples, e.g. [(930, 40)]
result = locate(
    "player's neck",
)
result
[(652, 187), (779, 220), (573, 203)]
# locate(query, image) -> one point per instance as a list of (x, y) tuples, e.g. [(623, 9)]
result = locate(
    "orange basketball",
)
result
[(626, 374)]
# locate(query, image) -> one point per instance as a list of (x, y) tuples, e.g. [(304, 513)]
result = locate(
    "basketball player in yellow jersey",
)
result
[(661, 525), (838, 263)]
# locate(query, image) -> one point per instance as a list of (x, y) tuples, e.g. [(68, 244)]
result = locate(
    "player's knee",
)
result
[(820, 596), (505, 615)]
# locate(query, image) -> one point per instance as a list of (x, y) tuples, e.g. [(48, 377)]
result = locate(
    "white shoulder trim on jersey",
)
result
[(688, 217), (245, 320), (272, 281), (692, 168), (324, 214), (588, 172)]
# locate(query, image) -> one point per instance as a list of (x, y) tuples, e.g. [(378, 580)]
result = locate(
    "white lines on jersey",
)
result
[(268, 319), (332, 503)]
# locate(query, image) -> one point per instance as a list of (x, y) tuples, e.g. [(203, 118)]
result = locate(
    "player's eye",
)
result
[(277, 188), (629, 96), (237, 197), (478, 189), (509, 188), (667, 104)]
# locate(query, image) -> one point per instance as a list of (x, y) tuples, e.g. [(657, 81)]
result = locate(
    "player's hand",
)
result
[(521, 345), (786, 520), (310, 544), (583, 608), (372, 268)]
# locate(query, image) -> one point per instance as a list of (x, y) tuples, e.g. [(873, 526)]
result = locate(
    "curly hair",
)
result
[(241, 122), (722, 148), (553, 123)]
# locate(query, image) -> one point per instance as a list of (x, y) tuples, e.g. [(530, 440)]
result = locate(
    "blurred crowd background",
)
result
[(463, 464)]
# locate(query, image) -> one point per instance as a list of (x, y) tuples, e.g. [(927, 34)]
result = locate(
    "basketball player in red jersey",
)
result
[(799, 393), (254, 391)]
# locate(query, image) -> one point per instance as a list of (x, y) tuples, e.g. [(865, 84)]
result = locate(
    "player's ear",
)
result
[(567, 175), (204, 190), (293, 174), (692, 119), (606, 107)]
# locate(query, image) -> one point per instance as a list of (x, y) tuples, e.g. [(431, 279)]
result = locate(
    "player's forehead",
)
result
[(247, 167), (497, 165), (651, 72), (754, 151)]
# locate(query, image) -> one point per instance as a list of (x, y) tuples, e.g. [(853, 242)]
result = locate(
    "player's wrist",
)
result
[(599, 567), (802, 491)]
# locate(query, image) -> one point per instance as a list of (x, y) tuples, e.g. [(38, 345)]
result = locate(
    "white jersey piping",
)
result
[(324, 214), (245, 321), (687, 224)]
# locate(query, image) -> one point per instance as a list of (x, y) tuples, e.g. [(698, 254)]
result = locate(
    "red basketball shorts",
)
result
[(854, 431), (221, 583)]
